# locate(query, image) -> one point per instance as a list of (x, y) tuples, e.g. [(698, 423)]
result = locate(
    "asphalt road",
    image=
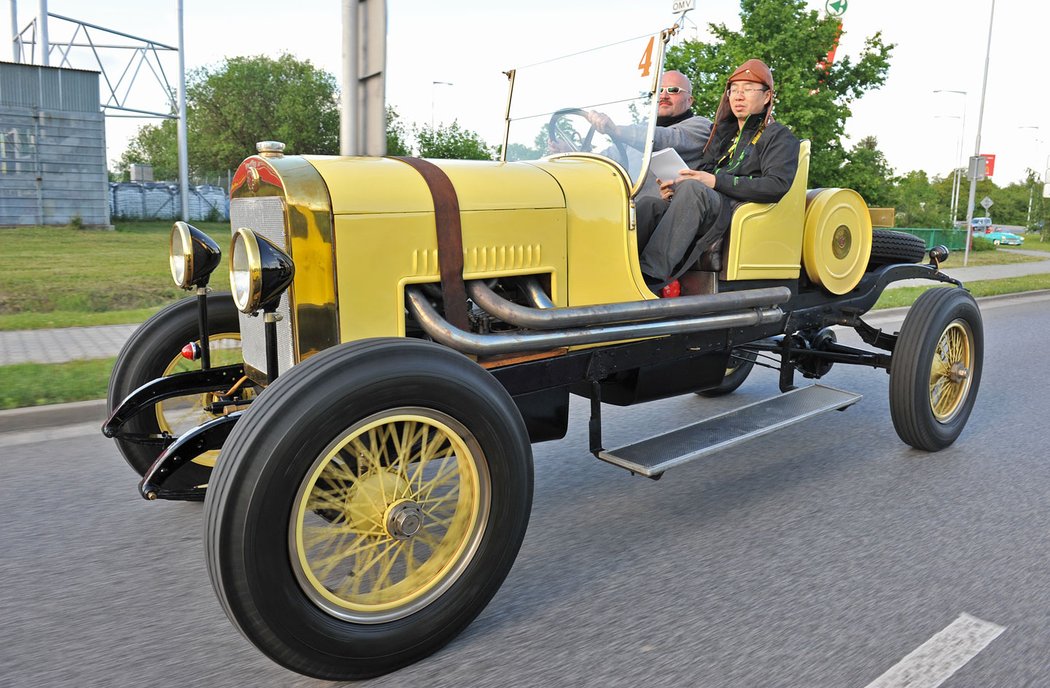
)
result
[(819, 557)]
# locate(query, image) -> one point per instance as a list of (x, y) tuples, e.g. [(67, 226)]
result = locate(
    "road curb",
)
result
[(36, 417)]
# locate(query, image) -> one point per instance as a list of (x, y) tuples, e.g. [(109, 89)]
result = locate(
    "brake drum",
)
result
[(836, 244)]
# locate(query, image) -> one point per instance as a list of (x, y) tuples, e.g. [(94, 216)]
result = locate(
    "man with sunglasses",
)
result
[(676, 126), (747, 158)]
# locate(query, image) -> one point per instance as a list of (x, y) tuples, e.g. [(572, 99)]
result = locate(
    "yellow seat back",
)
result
[(765, 239)]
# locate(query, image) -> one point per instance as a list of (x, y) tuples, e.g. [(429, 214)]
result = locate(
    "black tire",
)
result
[(316, 458), (741, 363), (936, 368), (154, 350), (888, 247)]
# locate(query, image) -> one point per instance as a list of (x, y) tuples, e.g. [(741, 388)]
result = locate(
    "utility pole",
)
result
[(977, 148)]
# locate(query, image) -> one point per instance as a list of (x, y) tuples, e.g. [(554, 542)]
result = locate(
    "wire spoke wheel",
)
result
[(389, 515), (950, 373), (155, 351), (367, 507), (936, 368), (178, 415)]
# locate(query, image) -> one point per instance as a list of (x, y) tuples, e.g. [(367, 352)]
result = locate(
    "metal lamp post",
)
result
[(433, 89), (1031, 188), (977, 145), (957, 181)]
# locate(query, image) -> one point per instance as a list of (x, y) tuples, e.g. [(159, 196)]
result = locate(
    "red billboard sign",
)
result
[(989, 164)]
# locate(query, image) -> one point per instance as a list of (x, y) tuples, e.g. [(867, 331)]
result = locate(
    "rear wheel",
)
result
[(368, 506), (741, 363), (154, 351), (936, 368)]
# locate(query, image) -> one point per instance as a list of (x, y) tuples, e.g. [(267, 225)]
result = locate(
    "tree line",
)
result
[(246, 99)]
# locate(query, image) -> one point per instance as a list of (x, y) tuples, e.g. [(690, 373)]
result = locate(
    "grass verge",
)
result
[(38, 384), (68, 277), (905, 296)]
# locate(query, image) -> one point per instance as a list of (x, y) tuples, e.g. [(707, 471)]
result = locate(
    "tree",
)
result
[(452, 142), (812, 99), (249, 99), (154, 145), (231, 107), (396, 136), (917, 202), (867, 172)]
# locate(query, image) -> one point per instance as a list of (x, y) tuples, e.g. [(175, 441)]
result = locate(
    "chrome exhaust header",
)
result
[(546, 317), (491, 344)]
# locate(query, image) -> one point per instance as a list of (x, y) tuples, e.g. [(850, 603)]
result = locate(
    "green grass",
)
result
[(905, 296), (37, 384), (61, 276)]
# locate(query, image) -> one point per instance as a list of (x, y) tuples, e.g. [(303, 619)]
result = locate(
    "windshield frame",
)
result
[(660, 41)]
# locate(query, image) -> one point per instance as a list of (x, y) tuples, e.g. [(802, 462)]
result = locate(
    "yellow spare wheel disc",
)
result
[(837, 241)]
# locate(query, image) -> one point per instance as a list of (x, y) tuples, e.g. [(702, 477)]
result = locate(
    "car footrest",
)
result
[(654, 455)]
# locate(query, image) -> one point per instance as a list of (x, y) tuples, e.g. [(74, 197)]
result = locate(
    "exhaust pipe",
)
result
[(491, 344), (546, 317)]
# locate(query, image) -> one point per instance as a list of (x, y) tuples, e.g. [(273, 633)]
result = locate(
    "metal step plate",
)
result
[(655, 455)]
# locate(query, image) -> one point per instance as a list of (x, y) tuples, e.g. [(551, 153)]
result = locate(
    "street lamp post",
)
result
[(977, 145), (433, 88), (1031, 188), (957, 181)]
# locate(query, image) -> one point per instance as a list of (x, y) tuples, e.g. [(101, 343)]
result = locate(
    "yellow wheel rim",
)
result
[(950, 374), (390, 515), (180, 414)]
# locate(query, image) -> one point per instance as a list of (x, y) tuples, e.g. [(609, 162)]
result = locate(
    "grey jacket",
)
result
[(688, 137)]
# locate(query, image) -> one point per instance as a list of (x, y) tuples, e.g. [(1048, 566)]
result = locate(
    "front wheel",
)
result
[(368, 506), (936, 368), (155, 350)]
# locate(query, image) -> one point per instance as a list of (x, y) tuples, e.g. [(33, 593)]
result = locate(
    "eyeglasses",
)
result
[(736, 90), (671, 89)]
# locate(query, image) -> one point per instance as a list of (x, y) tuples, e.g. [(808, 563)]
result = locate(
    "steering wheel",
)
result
[(569, 138)]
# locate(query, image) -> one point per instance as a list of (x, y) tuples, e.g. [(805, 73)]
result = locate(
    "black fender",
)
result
[(189, 480), (180, 384)]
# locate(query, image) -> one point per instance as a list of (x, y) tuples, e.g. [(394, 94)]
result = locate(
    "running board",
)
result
[(654, 455)]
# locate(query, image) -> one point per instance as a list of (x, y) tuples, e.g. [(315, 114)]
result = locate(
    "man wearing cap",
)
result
[(748, 158)]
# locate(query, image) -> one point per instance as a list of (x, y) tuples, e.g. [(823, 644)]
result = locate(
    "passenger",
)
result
[(748, 157)]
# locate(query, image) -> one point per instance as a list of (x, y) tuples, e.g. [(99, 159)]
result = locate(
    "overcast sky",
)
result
[(940, 46)]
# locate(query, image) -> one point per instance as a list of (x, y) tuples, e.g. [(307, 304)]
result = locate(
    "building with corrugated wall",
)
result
[(52, 147)]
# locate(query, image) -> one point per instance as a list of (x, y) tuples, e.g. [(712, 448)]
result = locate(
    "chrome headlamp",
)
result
[(259, 272), (193, 256)]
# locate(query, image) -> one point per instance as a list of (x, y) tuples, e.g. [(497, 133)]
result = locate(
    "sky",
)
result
[(467, 44)]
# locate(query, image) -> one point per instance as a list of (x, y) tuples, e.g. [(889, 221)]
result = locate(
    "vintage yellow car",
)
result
[(358, 414)]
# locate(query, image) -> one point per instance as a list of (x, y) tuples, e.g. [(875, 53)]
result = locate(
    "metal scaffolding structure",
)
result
[(122, 60)]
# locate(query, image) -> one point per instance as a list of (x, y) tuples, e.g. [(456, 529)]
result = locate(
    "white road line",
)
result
[(930, 664)]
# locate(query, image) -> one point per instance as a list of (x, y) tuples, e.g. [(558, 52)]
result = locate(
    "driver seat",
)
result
[(764, 241)]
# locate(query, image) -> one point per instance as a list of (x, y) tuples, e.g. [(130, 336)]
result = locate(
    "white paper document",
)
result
[(666, 163)]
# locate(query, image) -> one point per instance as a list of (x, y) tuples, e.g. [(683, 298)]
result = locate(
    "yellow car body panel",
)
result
[(765, 239)]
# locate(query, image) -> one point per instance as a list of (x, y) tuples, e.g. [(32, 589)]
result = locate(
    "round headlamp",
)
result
[(193, 256), (259, 272)]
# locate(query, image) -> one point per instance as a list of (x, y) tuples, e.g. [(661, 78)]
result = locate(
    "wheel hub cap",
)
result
[(403, 519)]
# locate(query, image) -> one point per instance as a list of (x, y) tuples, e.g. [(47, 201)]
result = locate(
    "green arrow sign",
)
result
[(836, 8)]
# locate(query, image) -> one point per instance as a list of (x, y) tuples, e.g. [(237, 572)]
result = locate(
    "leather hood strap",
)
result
[(449, 238)]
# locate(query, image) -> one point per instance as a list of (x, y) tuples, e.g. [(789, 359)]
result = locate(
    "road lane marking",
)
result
[(930, 664)]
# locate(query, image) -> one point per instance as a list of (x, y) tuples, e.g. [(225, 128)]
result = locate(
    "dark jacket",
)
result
[(760, 172)]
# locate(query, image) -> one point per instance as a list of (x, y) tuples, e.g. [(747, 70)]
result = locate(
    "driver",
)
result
[(748, 157), (676, 126)]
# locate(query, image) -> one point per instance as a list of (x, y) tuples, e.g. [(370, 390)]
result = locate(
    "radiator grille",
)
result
[(265, 217)]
